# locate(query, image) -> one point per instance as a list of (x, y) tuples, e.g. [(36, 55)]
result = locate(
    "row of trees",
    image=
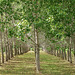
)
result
[(54, 18), (60, 32), (10, 44)]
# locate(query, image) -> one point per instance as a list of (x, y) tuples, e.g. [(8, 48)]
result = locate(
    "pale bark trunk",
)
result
[(65, 54), (2, 53), (57, 53), (4, 42), (6, 39), (37, 52), (34, 45), (70, 56), (20, 48)]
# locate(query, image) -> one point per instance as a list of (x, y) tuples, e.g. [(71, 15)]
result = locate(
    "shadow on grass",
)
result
[(25, 65)]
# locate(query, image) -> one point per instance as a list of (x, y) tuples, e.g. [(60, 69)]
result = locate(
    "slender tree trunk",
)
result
[(57, 53), (6, 53), (11, 47), (34, 45), (8, 50), (37, 52), (74, 53), (5, 45), (65, 54), (2, 53), (6, 39), (20, 48), (70, 56), (51, 51), (15, 49), (62, 55)]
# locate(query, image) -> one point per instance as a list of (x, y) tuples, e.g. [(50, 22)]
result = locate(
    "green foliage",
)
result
[(10, 32), (53, 17), (2, 28)]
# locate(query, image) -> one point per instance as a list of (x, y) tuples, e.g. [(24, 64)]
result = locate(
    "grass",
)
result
[(25, 65)]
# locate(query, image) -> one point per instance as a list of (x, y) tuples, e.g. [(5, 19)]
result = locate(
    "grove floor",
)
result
[(25, 65)]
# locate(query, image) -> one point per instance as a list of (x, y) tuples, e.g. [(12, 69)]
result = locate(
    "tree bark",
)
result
[(20, 48), (11, 47), (15, 49), (35, 44), (57, 53), (74, 53), (65, 54), (62, 55), (8, 50), (37, 52), (70, 56), (2, 53)]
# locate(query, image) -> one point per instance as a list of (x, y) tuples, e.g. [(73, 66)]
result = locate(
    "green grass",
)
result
[(25, 65)]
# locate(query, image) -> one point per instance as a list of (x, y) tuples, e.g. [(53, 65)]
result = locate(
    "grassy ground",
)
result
[(25, 65)]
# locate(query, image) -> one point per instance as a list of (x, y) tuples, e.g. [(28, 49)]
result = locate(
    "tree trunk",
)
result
[(6, 45), (34, 45), (2, 53), (57, 53), (74, 53), (6, 39), (20, 48), (8, 51), (70, 56), (11, 47), (15, 49), (62, 55), (37, 52), (65, 54)]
